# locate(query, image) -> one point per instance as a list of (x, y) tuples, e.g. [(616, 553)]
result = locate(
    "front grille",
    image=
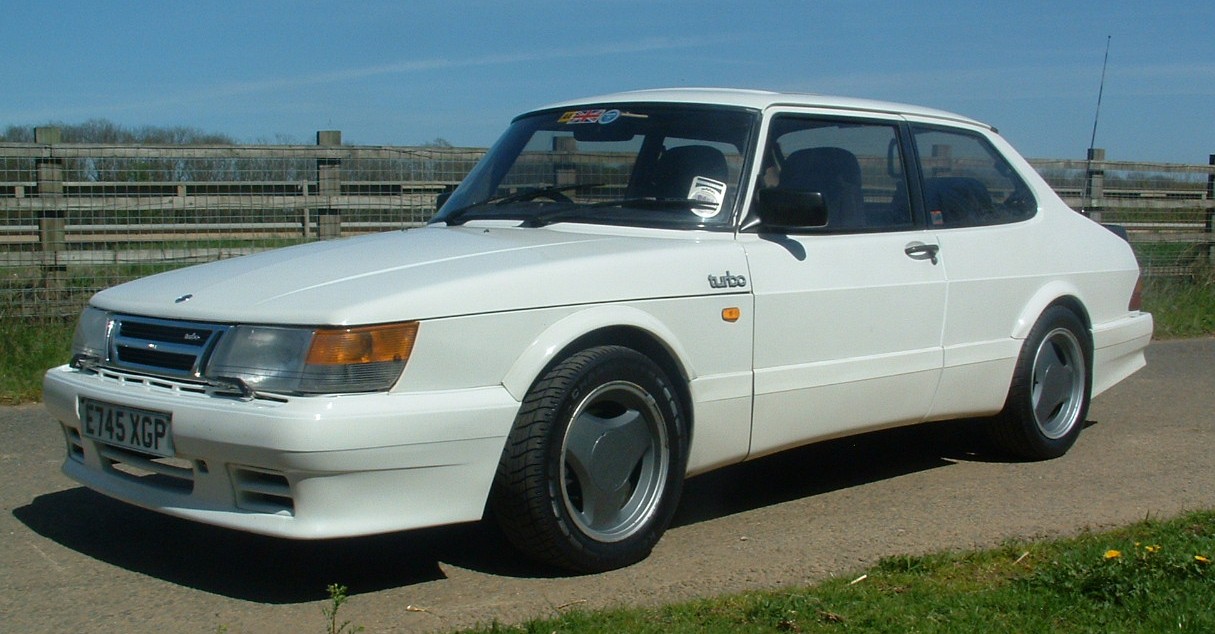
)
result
[(165, 347), (262, 491), (167, 332), (156, 358), (75, 445)]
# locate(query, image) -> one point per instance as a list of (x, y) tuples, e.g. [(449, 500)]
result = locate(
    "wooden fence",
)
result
[(78, 217)]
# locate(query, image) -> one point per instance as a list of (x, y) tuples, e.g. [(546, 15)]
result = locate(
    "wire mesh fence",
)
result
[(77, 218), (1167, 209)]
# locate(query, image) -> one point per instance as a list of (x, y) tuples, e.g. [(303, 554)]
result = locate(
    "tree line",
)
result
[(106, 131)]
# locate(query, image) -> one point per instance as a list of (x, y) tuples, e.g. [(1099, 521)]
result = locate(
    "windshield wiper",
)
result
[(553, 192), (687, 204)]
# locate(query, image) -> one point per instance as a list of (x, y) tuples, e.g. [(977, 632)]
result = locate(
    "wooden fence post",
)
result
[(328, 186), (1094, 184), (1210, 225), (52, 218)]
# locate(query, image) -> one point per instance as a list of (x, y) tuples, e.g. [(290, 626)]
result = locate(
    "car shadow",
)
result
[(277, 571), (255, 567), (831, 466)]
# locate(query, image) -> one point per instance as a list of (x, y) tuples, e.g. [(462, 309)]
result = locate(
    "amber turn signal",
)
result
[(366, 344)]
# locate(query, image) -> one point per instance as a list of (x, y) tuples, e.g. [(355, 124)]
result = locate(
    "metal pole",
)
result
[(1100, 91), (1092, 141)]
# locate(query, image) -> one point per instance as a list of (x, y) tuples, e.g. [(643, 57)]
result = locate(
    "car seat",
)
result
[(833, 172), (679, 166)]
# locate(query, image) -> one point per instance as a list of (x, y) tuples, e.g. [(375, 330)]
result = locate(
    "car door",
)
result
[(848, 318), (982, 212)]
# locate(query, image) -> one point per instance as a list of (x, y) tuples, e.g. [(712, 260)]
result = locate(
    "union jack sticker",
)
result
[(598, 115)]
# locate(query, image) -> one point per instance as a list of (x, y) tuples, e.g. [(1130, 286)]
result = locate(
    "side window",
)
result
[(967, 183), (856, 166)]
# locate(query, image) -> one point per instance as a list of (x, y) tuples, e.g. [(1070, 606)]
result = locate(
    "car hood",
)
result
[(434, 271)]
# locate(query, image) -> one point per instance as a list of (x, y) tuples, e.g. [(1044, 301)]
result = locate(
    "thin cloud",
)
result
[(234, 89), (1166, 80), (97, 107)]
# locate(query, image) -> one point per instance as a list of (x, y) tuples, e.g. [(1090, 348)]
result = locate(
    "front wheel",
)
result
[(594, 466), (1048, 400)]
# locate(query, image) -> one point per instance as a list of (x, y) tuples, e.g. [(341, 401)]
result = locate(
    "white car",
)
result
[(626, 291)]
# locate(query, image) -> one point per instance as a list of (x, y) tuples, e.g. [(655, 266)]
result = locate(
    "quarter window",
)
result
[(967, 183)]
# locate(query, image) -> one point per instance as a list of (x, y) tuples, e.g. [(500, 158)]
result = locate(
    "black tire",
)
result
[(1048, 400), (593, 468)]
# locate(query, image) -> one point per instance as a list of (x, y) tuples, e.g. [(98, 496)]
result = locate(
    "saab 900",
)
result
[(625, 291)]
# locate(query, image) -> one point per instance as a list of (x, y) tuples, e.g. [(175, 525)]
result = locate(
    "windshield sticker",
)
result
[(599, 115), (709, 192)]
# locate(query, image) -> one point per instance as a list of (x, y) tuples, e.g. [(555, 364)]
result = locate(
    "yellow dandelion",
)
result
[(1152, 549), (1113, 554), (1202, 559)]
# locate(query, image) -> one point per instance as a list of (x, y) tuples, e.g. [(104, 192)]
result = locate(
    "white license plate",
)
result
[(128, 427)]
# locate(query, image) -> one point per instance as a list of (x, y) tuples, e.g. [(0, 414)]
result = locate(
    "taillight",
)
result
[(1137, 296)]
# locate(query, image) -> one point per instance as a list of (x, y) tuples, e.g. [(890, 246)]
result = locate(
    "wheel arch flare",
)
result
[(604, 325)]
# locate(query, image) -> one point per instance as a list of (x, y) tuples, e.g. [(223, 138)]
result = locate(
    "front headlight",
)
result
[(314, 361), (92, 333)]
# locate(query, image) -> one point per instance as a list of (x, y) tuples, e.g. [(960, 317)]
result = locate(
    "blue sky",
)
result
[(402, 73)]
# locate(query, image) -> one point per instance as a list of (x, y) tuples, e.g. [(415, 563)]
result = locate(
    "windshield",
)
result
[(671, 165)]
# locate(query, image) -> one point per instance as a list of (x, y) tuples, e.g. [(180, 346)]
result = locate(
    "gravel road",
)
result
[(74, 561)]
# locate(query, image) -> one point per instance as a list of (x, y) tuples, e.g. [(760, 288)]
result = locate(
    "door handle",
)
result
[(921, 251)]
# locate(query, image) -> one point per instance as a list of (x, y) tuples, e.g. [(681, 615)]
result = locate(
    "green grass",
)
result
[(27, 349), (1154, 576), (1181, 307)]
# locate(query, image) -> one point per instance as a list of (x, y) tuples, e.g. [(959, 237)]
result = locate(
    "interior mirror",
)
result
[(791, 210), (618, 130)]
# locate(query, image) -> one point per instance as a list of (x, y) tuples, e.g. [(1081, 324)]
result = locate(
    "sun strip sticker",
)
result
[(601, 116)]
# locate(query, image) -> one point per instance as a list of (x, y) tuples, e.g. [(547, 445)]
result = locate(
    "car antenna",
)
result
[(1092, 141)]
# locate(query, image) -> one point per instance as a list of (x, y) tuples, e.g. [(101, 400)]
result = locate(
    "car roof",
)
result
[(762, 99)]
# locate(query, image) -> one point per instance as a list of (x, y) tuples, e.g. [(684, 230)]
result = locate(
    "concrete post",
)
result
[(564, 171), (328, 186), (1210, 226), (1094, 184), (941, 162), (52, 220)]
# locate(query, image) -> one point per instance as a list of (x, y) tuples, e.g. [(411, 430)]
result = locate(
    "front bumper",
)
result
[(303, 468)]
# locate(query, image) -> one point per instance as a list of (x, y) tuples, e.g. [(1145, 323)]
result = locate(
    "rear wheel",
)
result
[(1049, 397), (593, 468)]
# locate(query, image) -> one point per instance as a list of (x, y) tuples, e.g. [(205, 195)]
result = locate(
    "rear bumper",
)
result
[(1118, 349), (305, 468)]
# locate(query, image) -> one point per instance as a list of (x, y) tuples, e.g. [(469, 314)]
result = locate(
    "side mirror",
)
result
[(790, 211)]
